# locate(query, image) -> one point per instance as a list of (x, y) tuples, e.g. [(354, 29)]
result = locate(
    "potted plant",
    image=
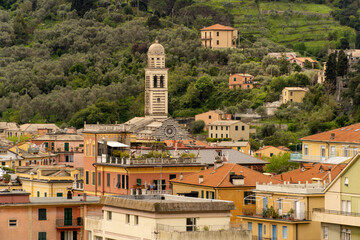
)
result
[(6, 178), (291, 214)]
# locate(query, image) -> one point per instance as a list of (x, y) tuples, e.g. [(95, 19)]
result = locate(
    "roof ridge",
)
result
[(226, 175)]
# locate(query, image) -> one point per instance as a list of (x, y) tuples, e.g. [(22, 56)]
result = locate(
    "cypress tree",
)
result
[(330, 73), (342, 64)]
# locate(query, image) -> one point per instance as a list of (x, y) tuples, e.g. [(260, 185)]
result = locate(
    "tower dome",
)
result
[(156, 49)]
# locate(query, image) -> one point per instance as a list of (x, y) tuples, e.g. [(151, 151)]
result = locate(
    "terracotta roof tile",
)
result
[(220, 177), (348, 134), (310, 171), (218, 27)]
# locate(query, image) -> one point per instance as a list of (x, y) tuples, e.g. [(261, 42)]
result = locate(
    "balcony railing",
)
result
[(139, 191), (127, 161), (269, 213), (191, 228), (307, 158), (343, 213), (78, 222)]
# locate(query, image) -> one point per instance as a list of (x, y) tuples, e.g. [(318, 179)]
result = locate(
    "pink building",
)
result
[(60, 218), (69, 147)]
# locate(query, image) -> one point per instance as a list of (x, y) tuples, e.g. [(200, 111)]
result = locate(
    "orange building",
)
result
[(269, 151), (227, 181), (43, 218), (219, 36), (212, 116), (241, 80)]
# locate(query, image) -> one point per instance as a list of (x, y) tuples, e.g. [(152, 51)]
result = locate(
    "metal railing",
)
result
[(78, 222), (335, 212), (310, 158), (189, 228), (276, 214), (128, 161)]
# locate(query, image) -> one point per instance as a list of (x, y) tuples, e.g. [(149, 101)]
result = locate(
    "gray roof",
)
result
[(207, 156), (167, 203)]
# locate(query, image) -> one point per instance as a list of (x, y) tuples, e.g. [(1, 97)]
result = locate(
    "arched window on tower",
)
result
[(155, 81), (161, 81)]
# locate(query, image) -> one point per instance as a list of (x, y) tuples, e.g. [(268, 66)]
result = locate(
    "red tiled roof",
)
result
[(218, 27), (310, 171), (219, 177), (348, 134)]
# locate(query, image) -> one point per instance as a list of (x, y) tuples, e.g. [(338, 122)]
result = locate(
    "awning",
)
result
[(115, 144)]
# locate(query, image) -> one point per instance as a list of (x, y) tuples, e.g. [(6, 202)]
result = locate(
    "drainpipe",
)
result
[(307, 214), (96, 146)]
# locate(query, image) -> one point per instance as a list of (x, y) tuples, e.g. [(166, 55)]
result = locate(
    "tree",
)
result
[(197, 126), (205, 85), (344, 43), (261, 111), (330, 73), (308, 64), (280, 163), (82, 6), (153, 22), (342, 64), (267, 130), (20, 29)]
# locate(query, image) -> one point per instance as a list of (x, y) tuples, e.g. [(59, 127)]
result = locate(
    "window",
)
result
[(136, 220), (291, 93), (216, 128), (172, 176), (216, 135), (326, 230), (248, 198), (227, 128), (109, 215), (127, 218), (108, 179), (284, 232), (38, 194), (249, 225), (217, 33), (227, 135), (42, 235), (354, 152), (306, 149), (45, 194), (138, 181), (93, 178), (264, 229), (234, 79), (99, 179), (59, 194), (346, 182), (90, 235), (12, 223), (222, 136), (346, 152), (93, 150), (210, 118), (155, 81), (190, 224), (87, 149), (46, 144), (211, 135), (217, 42), (118, 184), (271, 154), (236, 128), (42, 214), (332, 151), (242, 128), (202, 193), (66, 147), (211, 126), (87, 177)]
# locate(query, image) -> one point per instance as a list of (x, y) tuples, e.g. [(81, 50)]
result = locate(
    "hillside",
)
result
[(289, 23)]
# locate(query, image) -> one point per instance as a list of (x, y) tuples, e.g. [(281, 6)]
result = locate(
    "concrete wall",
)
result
[(207, 235)]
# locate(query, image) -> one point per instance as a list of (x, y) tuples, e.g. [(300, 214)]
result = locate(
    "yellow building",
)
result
[(219, 36), (284, 211), (224, 182), (239, 146), (269, 151), (334, 146), (46, 181), (293, 94), (236, 130), (26, 154), (340, 217)]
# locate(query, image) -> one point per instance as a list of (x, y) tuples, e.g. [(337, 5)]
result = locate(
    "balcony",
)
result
[(298, 157), (69, 223), (336, 217), (147, 161), (143, 191)]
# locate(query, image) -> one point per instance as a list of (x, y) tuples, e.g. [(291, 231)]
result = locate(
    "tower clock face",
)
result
[(170, 131)]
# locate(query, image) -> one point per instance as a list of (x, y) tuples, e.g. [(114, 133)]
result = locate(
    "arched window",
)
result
[(161, 81), (155, 81)]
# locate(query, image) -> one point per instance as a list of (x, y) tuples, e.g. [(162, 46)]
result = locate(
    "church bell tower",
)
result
[(156, 83)]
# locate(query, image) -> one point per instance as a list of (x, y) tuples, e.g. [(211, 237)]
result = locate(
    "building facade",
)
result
[(219, 36), (212, 116), (293, 94), (236, 130), (241, 80)]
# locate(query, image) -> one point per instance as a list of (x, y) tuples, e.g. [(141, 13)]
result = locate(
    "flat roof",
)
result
[(167, 203)]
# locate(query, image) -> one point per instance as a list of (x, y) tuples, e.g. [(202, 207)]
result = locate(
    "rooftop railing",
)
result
[(191, 228), (344, 213), (136, 161)]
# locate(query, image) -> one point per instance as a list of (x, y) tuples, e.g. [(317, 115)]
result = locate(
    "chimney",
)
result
[(69, 194), (181, 176), (201, 179), (218, 162), (237, 180), (332, 137), (84, 197), (329, 175)]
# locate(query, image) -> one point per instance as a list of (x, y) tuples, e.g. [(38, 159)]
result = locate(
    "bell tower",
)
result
[(156, 83)]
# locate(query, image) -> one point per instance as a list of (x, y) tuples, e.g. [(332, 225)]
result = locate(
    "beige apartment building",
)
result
[(293, 94), (212, 116), (236, 130), (219, 36)]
